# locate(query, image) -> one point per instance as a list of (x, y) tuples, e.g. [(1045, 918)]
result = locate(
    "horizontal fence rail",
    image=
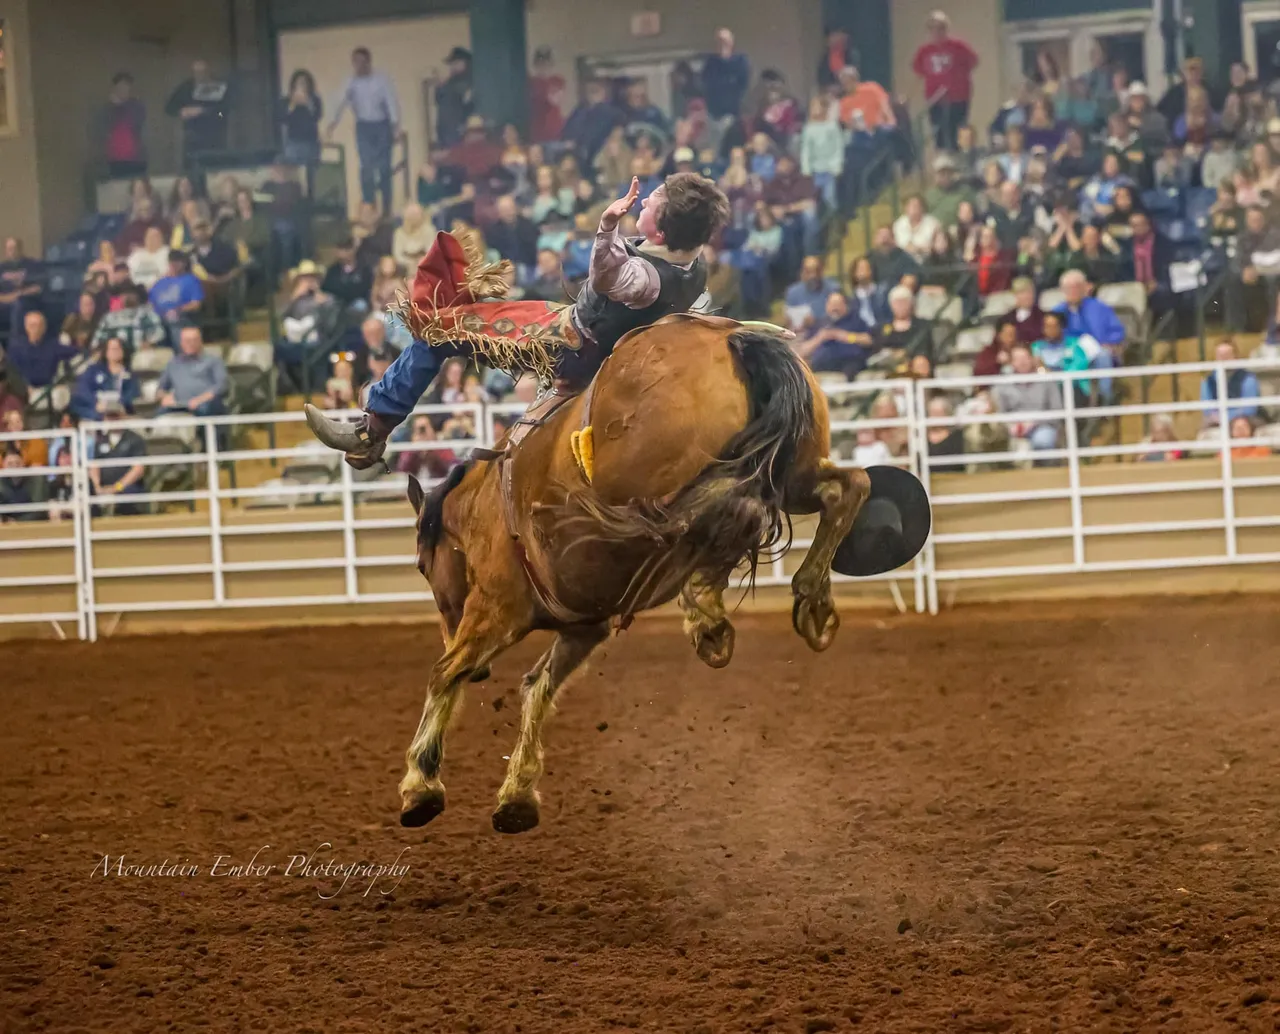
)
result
[(1015, 504)]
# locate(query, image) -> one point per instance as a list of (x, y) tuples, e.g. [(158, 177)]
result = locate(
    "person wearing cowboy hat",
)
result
[(1150, 125), (304, 324), (475, 153), (372, 98), (455, 101), (944, 198), (946, 65)]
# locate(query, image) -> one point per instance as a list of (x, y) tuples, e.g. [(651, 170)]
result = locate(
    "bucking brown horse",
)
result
[(678, 467)]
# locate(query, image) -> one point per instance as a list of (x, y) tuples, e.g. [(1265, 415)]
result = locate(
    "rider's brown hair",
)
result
[(695, 209)]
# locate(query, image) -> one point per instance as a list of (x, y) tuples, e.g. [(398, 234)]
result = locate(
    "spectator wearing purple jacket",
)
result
[(36, 353)]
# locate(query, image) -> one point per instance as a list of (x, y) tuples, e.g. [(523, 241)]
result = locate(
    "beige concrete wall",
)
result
[(977, 22), (78, 47), (19, 180), (408, 50), (786, 36)]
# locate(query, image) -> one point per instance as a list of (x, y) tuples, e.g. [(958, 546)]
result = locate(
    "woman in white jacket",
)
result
[(150, 262), (913, 230)]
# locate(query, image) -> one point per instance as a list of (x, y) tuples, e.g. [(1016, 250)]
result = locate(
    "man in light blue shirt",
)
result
[(1242, 389), (371, 96)]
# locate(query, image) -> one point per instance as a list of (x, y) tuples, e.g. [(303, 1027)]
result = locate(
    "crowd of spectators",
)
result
[(1082, 183), (191, 257), (1073, 185)]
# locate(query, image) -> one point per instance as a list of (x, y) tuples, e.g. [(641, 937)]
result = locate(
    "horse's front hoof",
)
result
[(715, 645), (419, 807), (516, 816), (480, 674)]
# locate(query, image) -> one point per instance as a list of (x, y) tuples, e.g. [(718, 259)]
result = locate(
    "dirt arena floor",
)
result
[(1031, 818)]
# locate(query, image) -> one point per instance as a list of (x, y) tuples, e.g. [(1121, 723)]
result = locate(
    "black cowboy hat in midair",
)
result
[(890, 529)]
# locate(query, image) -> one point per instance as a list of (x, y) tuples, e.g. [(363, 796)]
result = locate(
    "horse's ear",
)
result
[(416, 495)]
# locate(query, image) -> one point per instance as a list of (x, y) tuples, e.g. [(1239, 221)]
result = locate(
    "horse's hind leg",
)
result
[(486, 629), (518, 798), (705, 622), (838, 495)]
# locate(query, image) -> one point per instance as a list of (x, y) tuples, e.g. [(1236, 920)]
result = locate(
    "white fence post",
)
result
[(349, 530), (84, 498), (79, 526), (1073, 472), (215, 512), (1224, 443)]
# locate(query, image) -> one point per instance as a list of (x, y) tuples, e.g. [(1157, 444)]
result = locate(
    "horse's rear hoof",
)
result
[(517, 816), (420, 808), (816, 620)]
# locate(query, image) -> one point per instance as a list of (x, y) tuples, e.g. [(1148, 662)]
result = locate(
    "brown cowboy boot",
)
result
[(364, 441)]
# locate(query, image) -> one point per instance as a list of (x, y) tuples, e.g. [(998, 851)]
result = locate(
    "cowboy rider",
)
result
[(631, 284)]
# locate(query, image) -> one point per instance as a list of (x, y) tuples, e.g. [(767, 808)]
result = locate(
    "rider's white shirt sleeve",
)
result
[(622, 277)]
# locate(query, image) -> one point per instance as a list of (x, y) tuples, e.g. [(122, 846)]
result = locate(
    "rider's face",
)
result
[(650, 210)]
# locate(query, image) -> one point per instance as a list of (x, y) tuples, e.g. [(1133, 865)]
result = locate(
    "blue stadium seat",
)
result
[(73, 249), (1161, 203), (1182, 231), (1198, 201)]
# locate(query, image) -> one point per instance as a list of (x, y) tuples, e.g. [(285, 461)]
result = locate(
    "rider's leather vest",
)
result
[(605, 320)]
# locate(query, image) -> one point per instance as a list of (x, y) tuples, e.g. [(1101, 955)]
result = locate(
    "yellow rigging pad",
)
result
[(583, 447)]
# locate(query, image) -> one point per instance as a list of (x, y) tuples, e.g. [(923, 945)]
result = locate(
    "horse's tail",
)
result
[(781, 407), (733, 513)]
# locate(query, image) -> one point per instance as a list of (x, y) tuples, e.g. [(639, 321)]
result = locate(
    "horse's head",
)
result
[(418, 500), (429, 508)]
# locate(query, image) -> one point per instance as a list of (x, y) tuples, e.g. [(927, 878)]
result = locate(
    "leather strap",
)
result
[(537, 415), (587, 397)]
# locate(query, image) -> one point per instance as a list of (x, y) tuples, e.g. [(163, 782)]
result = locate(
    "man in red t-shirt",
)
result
[(546, 95), (946, 65)]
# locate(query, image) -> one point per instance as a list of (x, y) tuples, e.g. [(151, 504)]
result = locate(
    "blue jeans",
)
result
[(755, 279), (1043, 436), (838, 357), (826, 184), (373, 144), (214, 407), (394, 397)]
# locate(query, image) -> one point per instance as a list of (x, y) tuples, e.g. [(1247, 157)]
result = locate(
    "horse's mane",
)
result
[(431, 520)]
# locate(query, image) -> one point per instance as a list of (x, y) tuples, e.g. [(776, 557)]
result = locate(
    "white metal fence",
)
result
[(189, 463)]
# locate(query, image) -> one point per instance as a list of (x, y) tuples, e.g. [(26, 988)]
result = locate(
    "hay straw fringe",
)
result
[(483, 280)]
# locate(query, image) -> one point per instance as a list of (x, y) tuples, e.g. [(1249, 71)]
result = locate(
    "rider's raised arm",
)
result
[(621, 276)]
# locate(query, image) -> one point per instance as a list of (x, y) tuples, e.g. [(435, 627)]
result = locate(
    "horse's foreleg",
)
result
[(839, 495), (705, 622), (484, 632), (518, 798)]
